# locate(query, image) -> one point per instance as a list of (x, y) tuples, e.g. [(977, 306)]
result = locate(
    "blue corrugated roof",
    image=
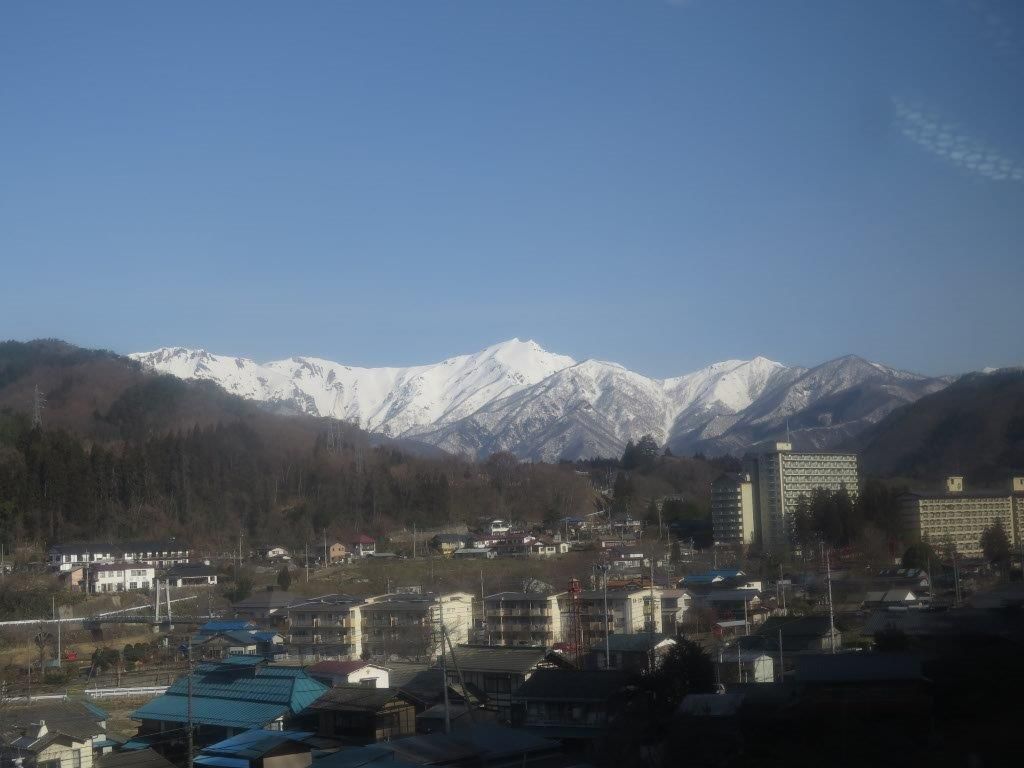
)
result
[(243, 660), (254, 743), (219, 712), (235, 696), (222, 762)]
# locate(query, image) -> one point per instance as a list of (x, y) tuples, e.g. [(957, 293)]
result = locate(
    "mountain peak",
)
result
[(517, 396)]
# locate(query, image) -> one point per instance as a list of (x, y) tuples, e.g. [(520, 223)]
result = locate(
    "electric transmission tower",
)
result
[(38, 404)]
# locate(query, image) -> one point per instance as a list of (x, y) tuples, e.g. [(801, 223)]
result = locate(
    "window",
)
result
[(76, 758)]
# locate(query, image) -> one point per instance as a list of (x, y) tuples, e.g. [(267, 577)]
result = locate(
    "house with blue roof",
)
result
[(235, 642), (228, 697), (259, 748)]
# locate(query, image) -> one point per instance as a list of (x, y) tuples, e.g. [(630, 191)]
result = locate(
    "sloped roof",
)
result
[(493, 658), (138, 758), (476, 744), (858, 667), (78, 719), (573, 685), (225, 625), (638, 643), (356, 697), (232, 696), (254, 744), (269, 599), (338, 667)]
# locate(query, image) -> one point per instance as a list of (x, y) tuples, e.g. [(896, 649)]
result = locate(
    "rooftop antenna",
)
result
[(38, 404), (788, 438)]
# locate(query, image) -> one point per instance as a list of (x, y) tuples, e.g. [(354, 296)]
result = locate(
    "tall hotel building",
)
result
[(784, 475)]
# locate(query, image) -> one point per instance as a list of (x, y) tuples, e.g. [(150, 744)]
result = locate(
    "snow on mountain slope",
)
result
[(391, 401), (518, 397)]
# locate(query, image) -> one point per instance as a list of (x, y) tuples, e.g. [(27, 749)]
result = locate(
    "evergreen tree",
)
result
[(284, 578)]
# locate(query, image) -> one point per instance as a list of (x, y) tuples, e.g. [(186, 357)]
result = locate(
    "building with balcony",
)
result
[(784, 475), (327, 627), (520, 618), (629, 611), (408, 625), (958, 517), (733, 515)]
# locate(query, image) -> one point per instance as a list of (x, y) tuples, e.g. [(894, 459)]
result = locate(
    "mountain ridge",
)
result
[(516, 396)]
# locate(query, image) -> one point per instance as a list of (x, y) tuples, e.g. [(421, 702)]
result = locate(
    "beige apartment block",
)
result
[(732, 509), (517, 618), (629, 611), (409, 625), (960, 517), (327, 627)]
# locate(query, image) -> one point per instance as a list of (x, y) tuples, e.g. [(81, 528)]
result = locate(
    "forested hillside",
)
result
[(122, 452), (974, 427)]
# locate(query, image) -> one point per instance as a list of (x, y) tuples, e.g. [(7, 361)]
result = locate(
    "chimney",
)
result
[(955, 484)]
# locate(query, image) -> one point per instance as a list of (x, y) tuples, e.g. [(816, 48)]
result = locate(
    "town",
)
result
[(512, 643)]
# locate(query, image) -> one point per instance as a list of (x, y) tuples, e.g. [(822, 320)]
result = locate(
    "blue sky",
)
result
[(662, 184)]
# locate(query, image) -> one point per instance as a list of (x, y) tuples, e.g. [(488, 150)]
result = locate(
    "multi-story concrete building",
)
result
[(732, 509), (784, 475), (958, 517), (327, 627), (409, 624), (518, 618), (120, 577), (162, 553), (629, 611)]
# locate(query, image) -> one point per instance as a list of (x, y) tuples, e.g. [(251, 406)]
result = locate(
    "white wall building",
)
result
[(120, 577), (783, 476)]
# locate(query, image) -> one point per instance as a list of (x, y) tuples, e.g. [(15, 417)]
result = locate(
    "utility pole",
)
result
[(57, 619), (307, 562), (444, 669), (191, 744), (956, 579), (650, 650), (326, 558), (739, 662), (831, 613), (782, 669), (607, 645), (414, 541), (38, 404), (483, 610)]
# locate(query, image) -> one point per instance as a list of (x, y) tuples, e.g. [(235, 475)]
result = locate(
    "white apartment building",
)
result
[(629, 611), (409, 624), (784, 475), (163, 553), (518, 618), (328, 627), (733, 515), (120, 577), (959, 517)]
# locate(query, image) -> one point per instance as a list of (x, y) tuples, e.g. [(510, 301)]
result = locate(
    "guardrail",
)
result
[(94, 693)]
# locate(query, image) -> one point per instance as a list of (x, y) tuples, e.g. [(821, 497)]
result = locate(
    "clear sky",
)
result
[(662, 184)]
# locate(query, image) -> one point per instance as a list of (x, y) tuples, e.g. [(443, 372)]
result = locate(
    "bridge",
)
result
[(128, 615)]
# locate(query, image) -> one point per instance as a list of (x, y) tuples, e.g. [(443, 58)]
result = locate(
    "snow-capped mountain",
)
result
[(391, 401), (518, 397)]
